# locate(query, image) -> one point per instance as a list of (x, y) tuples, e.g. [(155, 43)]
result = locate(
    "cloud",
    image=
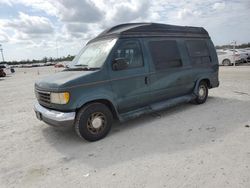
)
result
[(36, 5), (3, 37), (30, 25), (7, 2), (76, 28), (129, 11), (219, 6), (66, 10), (184, 13), (78, 11)]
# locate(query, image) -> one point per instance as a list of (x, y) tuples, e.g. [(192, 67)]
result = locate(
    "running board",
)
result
[(171, 102), (155, 107)]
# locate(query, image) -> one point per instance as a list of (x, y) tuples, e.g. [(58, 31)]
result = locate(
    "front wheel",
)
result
[(93, 121), (202, 93)]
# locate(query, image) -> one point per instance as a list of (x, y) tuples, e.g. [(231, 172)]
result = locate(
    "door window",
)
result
[(131, 51)]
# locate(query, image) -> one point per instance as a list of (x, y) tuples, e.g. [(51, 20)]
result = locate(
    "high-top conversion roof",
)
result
[(152, 29)]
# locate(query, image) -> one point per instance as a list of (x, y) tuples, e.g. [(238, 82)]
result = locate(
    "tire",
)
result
[(202, 93), (226, 62), (93, 121), (3, 74)]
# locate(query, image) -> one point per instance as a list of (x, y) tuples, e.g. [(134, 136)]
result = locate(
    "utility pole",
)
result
[(1, 50), (234, 44), (56, 49)]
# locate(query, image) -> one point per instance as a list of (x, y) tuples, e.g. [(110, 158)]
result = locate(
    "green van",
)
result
[(126, 71)]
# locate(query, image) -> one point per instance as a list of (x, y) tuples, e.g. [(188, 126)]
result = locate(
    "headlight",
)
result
[(59, 98)]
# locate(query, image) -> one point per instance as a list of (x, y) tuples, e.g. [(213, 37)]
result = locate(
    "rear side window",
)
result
[(165, 54), (198, 51)]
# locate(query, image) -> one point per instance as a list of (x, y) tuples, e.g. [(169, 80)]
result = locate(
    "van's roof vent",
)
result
[(152, 29)]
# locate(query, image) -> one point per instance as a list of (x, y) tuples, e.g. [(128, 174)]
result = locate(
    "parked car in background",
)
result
[(7, 69), (247, 52), (226, 57), (49, 63), (62, 64), (243, 54), (59, 65), (2, 73)]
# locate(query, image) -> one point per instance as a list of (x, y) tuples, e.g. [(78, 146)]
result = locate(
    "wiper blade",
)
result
[(93, 68), (80, 65), (82, 68)]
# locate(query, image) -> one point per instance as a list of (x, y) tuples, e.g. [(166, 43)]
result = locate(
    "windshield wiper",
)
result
[(81, 65), (82, 68)]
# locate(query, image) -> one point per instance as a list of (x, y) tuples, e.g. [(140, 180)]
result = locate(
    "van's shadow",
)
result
[(179, 128)]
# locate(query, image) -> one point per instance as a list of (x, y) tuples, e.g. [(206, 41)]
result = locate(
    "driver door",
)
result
[(130, 85)]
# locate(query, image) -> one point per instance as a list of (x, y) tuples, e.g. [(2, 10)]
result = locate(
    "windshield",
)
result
[(94, 54)]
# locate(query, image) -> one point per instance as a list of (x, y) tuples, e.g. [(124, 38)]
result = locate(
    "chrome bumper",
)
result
[(54, 118)]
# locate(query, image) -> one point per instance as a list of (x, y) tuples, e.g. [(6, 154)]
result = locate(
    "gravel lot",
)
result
[(186, 146)]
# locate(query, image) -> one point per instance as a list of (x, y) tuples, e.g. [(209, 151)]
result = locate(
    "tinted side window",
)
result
[(198, 51), (131, 51), (165, 54)]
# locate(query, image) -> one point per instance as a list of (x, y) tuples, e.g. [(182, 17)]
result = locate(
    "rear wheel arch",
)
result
[(206, 80)]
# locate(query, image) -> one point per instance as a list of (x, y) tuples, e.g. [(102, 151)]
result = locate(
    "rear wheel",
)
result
[(202, 93), (226, 62), (93, 122)]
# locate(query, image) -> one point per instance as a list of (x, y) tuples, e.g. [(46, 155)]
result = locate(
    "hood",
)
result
[(60, 80)]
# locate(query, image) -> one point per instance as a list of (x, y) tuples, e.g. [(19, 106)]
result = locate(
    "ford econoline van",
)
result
[(126, 71)]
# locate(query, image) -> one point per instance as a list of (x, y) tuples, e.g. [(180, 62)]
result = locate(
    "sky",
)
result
[(33, 29)]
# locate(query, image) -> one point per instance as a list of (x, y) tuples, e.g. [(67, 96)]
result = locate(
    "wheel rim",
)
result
[(226, 62), (202, 92), (96, 122)]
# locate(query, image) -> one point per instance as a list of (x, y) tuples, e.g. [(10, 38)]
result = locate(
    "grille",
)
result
[(43, 97)]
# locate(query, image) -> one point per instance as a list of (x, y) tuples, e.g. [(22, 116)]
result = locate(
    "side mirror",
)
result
[(119, 64)]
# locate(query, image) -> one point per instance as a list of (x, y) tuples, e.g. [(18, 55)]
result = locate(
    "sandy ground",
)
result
[(186, 146)]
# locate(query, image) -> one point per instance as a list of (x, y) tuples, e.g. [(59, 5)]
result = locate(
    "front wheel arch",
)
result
[(93, 121), (106, 102)]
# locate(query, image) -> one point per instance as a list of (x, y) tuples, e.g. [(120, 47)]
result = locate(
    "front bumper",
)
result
[(54, 118)]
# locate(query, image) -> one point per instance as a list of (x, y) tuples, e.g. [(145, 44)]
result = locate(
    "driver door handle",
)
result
[(146, 80)]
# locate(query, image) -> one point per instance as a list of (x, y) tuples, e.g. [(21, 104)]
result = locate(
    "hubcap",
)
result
[(96, 122), (226, 62), (202, 92)]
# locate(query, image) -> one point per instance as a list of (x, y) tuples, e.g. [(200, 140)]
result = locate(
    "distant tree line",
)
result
[(43, 60), (246, 45)]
